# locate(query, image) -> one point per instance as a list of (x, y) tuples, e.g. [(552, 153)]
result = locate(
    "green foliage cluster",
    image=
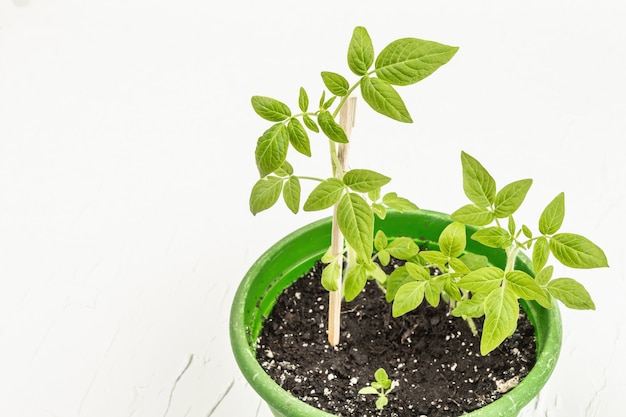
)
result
[(472, 287), (381, 386), (357, 193)]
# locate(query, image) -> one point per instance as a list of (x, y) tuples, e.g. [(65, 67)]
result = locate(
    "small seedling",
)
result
[(381, 386)]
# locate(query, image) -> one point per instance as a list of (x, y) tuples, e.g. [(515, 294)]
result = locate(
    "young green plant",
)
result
[(476, 289), (355, 194), (381, 386)]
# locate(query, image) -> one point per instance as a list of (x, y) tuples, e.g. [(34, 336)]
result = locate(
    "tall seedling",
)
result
[(355, 194)]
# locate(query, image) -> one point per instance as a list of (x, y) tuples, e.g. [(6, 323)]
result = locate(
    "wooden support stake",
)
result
[(346, 120)]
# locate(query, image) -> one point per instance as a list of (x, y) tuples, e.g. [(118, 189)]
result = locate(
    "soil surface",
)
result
[(433, 356)]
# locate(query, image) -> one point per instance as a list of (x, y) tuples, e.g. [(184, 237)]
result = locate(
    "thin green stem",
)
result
[(345, 98), (304, 177), (351, 259), (468, 320), (511, 255), (472, 325), (334, 158), (303, 114), (524, 244)]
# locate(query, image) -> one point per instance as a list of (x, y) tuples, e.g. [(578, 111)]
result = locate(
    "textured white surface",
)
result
[(126, 158)]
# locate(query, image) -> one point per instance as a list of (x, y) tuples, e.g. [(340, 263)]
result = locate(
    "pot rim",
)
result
[(548, 327)]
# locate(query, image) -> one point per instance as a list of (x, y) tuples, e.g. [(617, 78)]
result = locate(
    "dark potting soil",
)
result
[(433, 356)]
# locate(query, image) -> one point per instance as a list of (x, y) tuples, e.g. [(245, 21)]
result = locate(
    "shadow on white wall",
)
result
[(12, 11)]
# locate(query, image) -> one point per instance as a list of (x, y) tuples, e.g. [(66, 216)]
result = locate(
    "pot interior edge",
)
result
[(276, 270)]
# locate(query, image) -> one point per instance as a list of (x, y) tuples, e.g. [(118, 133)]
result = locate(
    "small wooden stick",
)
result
[(346, 121)]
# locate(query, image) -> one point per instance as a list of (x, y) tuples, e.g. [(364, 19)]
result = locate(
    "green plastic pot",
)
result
[(295, 254)]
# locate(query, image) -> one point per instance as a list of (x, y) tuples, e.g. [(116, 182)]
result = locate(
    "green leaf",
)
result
[(384, 99), (541, 253), (360, 51), (326, 105), (285, 170), (271, 149), (484, 280), (310, 123), (409, 60), (511, 197), (330, 276), (474, 261), (335, 83), (494, 237), (381, 402), (544, 276), (379, 210), (397, 279), (291, 194), (374, 271), (381, 376), (433, 291), (501, 314), (418, 272), (478, 185), (356, 222), (270, 109), (303, 100), (452, 240), (354, 282), (384, 257), (571, 293), (298, 137), (458, 265), (552, 216), (374, 195), (265, 194), (474, 215), (524, 286), (434, 257), (469, 308), (322, 98), (325, 195), (380, 240), (451, 289), (511, 225), (577, 251), (329, 256), (331, 128), (527, 232), (364, 180), (368, 390), (408, 298), (403, 248), (401, 204)]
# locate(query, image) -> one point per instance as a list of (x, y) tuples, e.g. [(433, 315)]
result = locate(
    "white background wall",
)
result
[(126, 159)]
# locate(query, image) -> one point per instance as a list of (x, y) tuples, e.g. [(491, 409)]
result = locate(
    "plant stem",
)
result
[(347, 97), (346, 120), (304, 177), (468, 320), (472, 325), (511, 254)]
